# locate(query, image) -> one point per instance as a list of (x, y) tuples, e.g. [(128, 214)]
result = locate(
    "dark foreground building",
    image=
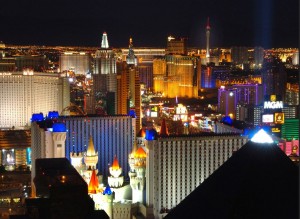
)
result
[(258, 181), (60, 193)]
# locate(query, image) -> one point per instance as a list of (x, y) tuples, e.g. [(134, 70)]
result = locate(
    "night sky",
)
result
[(267, 23)]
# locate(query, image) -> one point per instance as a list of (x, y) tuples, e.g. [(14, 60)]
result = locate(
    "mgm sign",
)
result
[(273, 103)]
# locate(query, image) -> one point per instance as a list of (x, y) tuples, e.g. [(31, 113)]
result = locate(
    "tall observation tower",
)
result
[(207, 38)]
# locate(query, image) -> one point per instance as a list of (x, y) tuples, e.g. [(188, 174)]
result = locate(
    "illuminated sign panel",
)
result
[(273, 105), (279, 118), (273, 102), (154, 114), (8, 157), (267, 118), (275, 129)]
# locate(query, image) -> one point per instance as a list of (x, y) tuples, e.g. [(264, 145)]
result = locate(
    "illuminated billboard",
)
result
[(8, 157), (279, 118), (276, 130), (268, 118), (273, 102), (153, 114)]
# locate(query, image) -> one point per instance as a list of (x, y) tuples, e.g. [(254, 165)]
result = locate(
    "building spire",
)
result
[(207, 38), (207, 24), (104, 43), (115, 165), (131, 58), (91, 148), (93, 184), (163, 130)]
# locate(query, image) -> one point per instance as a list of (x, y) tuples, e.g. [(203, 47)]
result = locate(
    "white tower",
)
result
[(137, 162), (108, 202), (59, 139), (207, 38), (104, 42), (90, 160), (76, 161)]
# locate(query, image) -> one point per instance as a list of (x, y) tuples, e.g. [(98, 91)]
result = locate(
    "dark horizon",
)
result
[(266, 23)]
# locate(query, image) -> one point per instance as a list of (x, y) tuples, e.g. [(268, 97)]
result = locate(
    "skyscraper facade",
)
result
[(179, 164), (239, 94), (239, 55), (25, 93), (145, 58), (177, 75), (129, 87), (112, 135), (176, 46), (105, 76), (274, 77), (78, 62)]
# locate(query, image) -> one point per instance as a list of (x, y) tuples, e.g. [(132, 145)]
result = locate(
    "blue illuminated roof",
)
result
[(151, 134), (132, 113), (107, 191), (227, 120), (53, 114), (37, 117), (59, 127)]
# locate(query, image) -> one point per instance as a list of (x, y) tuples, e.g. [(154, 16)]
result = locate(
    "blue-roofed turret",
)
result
[(59, 127), (107, 191), (37, 117), (53, 115), (151, 134)]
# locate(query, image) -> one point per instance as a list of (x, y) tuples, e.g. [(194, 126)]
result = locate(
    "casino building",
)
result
[(15, 149), (28, 92)]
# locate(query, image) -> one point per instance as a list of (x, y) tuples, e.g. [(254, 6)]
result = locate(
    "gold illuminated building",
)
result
[(177, 75)]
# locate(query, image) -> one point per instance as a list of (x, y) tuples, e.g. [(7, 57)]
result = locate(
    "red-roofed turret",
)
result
[(163, 129)]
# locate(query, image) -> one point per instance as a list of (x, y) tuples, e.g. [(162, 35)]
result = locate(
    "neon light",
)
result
[(273, 105), (262, 137)]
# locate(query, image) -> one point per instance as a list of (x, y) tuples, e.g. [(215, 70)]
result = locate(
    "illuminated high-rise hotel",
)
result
[(274, 77), (177, 75), (178, 165), (78, 62), (242, 94), (105, 75), (105, 59), (25, 93), (129, 88)]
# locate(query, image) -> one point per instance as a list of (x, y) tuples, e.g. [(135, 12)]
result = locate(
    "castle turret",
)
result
[(91, 156), (115, 180), (137, 174), (94, 190), (151, 180), (108, 202), (76, 161), (163, 130), (90, 160), (93, 184), (59, 134)]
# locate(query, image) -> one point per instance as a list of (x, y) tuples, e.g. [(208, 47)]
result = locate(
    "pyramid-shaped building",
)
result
[(258, 181)]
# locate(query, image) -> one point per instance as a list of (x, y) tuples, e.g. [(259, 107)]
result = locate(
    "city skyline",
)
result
[(255, 23)]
